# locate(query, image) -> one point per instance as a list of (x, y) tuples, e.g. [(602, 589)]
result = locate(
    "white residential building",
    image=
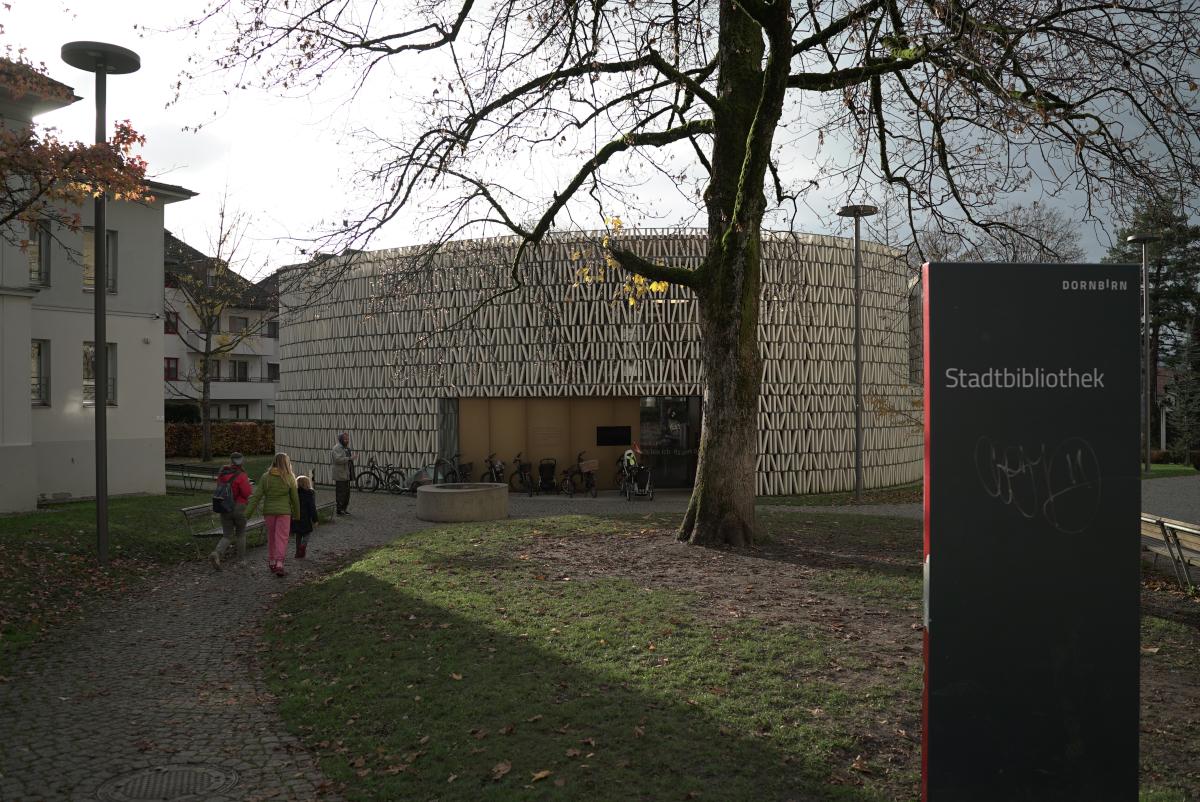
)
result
[(47, 417), (243, 380)]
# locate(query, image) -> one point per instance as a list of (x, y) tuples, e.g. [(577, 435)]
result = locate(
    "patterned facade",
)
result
[(389, 335)]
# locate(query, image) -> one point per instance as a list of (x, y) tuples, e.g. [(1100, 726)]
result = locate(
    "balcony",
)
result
[(238, 380)]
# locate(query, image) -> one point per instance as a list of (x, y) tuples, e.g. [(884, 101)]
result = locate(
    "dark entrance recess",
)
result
[(1032, 498), (671, 438)]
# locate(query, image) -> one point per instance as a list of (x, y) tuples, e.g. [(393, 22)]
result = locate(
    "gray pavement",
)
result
[(167, 676), (1177, 497)]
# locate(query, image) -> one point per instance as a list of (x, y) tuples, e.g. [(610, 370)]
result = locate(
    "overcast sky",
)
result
[(286, 162)]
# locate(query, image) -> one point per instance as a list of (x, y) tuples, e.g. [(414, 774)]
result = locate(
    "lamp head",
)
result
[(97, 56), (1142, 239), (857, 210)]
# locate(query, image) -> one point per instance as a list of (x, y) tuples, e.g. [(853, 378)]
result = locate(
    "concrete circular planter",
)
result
[(462, 501)]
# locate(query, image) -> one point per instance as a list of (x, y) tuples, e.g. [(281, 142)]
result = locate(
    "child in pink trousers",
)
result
[(276, 492)]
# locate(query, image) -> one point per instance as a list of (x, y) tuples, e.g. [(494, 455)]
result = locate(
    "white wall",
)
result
[(258, 351)]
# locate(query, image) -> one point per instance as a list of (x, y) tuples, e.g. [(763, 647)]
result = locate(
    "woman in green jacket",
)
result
[(276, 491)]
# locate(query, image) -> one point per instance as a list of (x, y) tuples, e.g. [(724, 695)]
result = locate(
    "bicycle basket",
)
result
[(589, 466)]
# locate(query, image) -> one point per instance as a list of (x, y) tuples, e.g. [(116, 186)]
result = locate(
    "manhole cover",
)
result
[(177, 783)]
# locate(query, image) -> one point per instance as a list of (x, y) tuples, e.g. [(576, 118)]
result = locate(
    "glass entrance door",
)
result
[(670, 438)]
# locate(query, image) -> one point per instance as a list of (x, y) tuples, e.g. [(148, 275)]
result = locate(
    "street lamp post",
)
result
[(858, 211), (1149, 370), (102, 59)]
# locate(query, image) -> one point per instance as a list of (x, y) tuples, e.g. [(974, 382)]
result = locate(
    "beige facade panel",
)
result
[(376, 349)]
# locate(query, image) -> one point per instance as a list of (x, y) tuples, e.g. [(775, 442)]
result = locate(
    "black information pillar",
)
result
[(1032, 496)]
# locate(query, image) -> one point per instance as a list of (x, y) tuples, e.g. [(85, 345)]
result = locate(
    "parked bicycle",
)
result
[(494, 472), (580, 477), (374, 476), (451, 470), (521, 480)]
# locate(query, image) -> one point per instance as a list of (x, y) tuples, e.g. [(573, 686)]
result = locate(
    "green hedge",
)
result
[(248, 437)]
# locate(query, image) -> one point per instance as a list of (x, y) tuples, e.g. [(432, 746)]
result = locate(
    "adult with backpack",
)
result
[(229, 500)]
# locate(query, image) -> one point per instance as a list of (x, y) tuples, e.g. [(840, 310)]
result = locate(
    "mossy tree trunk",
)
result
[(754, 57)]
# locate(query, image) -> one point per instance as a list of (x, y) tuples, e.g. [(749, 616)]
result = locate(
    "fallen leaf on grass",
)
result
[(456, 676), (507, 729), (532, 719), (541, 775), (860, 764), (500, 769), (1150, 649), (573, 752)]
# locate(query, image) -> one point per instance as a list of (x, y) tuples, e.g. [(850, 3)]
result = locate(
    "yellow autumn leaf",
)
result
[(541, 775)]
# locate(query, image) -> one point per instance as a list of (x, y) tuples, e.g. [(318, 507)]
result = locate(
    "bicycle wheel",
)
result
[(516, 482), (368, 482), (591, 484), (567, 487), (396, 481)]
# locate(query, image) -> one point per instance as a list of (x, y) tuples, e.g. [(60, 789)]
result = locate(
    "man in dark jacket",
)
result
[(343, 472), (233, 524)]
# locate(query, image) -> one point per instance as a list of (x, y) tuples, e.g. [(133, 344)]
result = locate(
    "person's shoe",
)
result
[(301, 551), (279, 572), (215, 559)]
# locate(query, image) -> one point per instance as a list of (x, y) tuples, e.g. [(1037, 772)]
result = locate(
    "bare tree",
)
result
[(947, 106), (208, 289), (1033, 233)]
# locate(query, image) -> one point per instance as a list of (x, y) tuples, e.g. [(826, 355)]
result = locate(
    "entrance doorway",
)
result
[(670, 438)]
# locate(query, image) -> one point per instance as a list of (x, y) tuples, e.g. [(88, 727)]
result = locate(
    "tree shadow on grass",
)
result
[(418, 687)]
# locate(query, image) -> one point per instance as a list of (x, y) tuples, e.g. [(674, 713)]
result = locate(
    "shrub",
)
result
[(248, 437)]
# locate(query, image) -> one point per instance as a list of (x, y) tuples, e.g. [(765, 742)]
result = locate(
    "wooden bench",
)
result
[(202, 522), (192, 477), (1176, 540)]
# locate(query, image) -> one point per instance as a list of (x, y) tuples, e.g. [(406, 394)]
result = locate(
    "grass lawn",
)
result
[(900, 494), (1167, 471), (255, 464), (48, 567), (581, 658)]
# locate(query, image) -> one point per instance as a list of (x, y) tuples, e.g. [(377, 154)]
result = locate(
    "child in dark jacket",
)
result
[(303, 527)]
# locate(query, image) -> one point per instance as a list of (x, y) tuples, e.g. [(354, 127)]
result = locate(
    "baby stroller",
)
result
[(546, 475), (635, 478)]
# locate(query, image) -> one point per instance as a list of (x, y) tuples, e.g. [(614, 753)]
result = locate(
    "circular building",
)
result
[(420, 355)]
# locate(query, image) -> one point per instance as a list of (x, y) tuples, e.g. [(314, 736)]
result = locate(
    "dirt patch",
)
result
[(787, 583)]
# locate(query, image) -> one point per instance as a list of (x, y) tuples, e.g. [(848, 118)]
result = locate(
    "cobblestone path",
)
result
[(167, 676)]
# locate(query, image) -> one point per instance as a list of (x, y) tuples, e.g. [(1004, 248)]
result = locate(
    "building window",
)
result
[(214, 368), (214, 411), (238, 324), (39, 373), (39, 255), (273, 330), (89, 373), (170, 368), (273, 371), (89, 259), (171, 322), (239, 411), (210, 277), (239, 370)]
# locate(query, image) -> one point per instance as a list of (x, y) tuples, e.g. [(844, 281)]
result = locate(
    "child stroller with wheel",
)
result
[(635, 477)]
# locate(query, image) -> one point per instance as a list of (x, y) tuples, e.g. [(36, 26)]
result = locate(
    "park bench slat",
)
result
[(1177, 540)]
